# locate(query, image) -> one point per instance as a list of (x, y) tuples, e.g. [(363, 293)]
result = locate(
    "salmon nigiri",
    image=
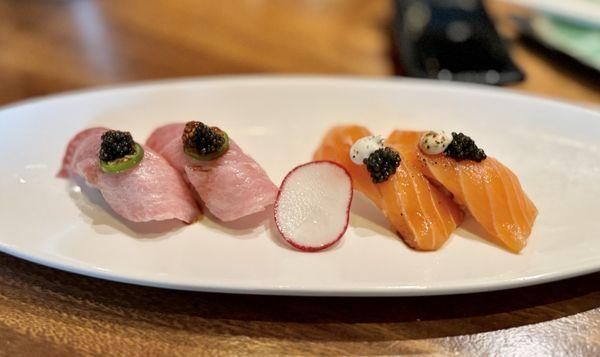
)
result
[(487, 189), (422, 215)]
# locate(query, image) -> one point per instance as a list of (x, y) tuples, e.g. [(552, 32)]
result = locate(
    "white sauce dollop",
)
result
[(364, 147), (433, 143)]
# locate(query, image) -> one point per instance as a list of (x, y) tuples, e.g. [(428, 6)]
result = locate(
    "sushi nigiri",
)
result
[(138, 184), (422, 215), (487, 189), (229, 182)]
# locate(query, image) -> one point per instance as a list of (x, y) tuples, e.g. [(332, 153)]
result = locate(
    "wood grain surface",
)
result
[(49, 46)]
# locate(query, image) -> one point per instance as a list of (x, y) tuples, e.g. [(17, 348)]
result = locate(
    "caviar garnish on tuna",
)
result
[(115, 145), (202, 142), (463, 147), (382, 164), (118, 152)]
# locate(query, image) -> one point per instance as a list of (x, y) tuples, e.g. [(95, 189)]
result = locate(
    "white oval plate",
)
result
[(554, 148)]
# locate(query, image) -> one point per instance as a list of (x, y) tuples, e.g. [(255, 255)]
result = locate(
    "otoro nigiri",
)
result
[(136, 182), (229, 182)]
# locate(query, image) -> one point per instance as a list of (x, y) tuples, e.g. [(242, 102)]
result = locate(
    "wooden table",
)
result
[(49, 46)]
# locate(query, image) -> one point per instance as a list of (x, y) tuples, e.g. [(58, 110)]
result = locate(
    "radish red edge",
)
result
[(348, 205)]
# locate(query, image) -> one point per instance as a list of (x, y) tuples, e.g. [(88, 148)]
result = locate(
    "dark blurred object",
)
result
[(451, 40)]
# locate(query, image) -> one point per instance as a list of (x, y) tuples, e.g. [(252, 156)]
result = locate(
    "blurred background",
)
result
[(546, 47)]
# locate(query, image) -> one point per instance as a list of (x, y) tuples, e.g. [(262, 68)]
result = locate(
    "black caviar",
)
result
[(382, 163), (202, 138), (116, 145), (463, 147)]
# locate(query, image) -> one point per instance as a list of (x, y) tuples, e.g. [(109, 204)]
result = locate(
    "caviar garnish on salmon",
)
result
[(457, 146), (382, 163), (202, 142), (118, 152), (463, 147)]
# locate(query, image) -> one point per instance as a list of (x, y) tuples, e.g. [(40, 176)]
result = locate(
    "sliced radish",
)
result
[(313, 205)]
